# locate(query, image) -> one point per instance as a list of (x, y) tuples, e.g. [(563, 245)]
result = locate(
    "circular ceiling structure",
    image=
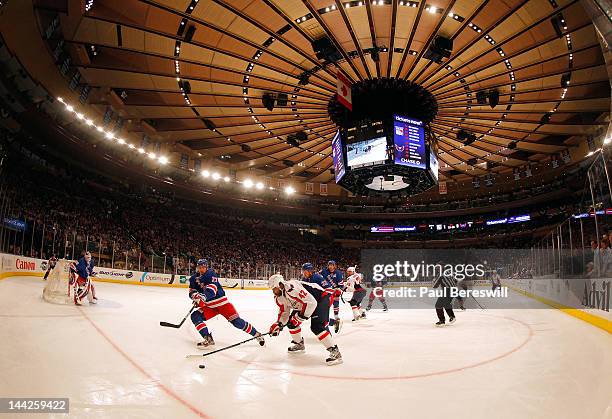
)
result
[(525, 82)]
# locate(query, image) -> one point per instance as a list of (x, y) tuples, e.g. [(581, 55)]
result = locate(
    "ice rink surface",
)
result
[(114, 360)]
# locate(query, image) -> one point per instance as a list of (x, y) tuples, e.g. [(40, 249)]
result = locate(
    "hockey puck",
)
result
[(202, 366)]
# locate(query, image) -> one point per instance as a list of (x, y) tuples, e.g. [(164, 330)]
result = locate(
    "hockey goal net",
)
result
[(58, 289)]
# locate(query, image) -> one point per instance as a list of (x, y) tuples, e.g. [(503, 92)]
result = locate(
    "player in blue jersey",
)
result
[(81, 273), (309, 275), (336, 279), (207, 293)]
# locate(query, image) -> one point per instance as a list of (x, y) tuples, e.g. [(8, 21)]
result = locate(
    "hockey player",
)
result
[(299, 301), (495, 281), (309, 275), (80, 278), (207, 294), (444, 303), (377, 291), (334, 276), (353, 284), (50, 266)]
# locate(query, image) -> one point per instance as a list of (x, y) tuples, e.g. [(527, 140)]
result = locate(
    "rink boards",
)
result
[(586, 299)]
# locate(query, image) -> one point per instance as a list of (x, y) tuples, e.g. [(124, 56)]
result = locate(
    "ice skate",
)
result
[(440, 324), (338, 325), (208, 341), (297, 347), (335, 357)]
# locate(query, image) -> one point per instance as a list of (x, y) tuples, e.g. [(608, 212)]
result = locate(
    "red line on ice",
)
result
[(165, 389)]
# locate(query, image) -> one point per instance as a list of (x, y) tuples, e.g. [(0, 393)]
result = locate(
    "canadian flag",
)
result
[(343, 90)]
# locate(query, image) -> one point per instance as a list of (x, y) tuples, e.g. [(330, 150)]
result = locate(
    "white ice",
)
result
[(114, 360)]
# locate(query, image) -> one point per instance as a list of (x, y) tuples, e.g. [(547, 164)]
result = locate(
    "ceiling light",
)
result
[(70, 108), (121, 141), (216, 176), (259, 185), (206, 173), (152, 155), (226, 178), (141, 150), (289, 190), (248, 183), (163, 160)]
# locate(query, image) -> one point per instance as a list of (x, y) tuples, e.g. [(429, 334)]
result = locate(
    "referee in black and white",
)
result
[(444, 302)]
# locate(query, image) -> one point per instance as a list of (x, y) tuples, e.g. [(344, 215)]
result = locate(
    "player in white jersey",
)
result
[(297, 302), (353, 284)]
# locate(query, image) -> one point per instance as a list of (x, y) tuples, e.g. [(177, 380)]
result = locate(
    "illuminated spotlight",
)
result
[(206, 173), (109, 135), (121, 141), (226, 178), (248, 183), (100, 129), (259, 185), (80, 116), (152, 155), (60, 99), (216, 176), (163, 160), (289, 190), (608, 140), (89, 122), (69, 108), (141, 150), (131, 146)]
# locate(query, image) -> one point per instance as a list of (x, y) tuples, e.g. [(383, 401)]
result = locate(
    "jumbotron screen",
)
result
[(338, 158), (366, 152), (409, 141)]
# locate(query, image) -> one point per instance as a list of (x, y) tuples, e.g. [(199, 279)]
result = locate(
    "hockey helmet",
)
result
[(202, 262), (275, 280), (350, 270), (331, 262), (308, 267)]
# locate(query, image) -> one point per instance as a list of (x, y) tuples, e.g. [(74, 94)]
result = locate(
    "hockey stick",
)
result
[(481, 307), (176, 326), (232, 286), (227, 347)]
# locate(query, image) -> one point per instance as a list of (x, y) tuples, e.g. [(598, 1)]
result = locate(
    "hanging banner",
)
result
[(323, 189), (343, 91), (309, 188), (442, 188)]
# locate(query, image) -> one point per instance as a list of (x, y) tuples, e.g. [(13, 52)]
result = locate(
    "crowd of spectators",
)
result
[(149, 230)]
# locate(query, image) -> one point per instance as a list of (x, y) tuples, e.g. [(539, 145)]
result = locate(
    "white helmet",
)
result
[(275, 280), (350, 270)]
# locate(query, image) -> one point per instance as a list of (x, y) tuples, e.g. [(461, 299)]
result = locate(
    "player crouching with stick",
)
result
[(80, 279), (299, 301)]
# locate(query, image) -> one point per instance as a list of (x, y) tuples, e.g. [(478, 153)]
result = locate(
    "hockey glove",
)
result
[(276, 328), (198, 298)]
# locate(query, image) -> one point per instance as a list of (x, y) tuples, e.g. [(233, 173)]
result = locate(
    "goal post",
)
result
[(58, 289)]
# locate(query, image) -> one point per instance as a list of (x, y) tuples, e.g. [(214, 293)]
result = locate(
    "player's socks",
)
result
[(202, 329)]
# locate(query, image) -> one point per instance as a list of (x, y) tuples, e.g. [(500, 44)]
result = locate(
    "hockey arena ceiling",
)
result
[(554, 88)]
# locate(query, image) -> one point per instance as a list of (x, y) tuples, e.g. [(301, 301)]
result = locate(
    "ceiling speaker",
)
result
[(325, 50), (268, 101)]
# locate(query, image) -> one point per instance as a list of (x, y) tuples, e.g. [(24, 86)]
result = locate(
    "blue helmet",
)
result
[(202, 262), (331, 262), (307, 267)]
